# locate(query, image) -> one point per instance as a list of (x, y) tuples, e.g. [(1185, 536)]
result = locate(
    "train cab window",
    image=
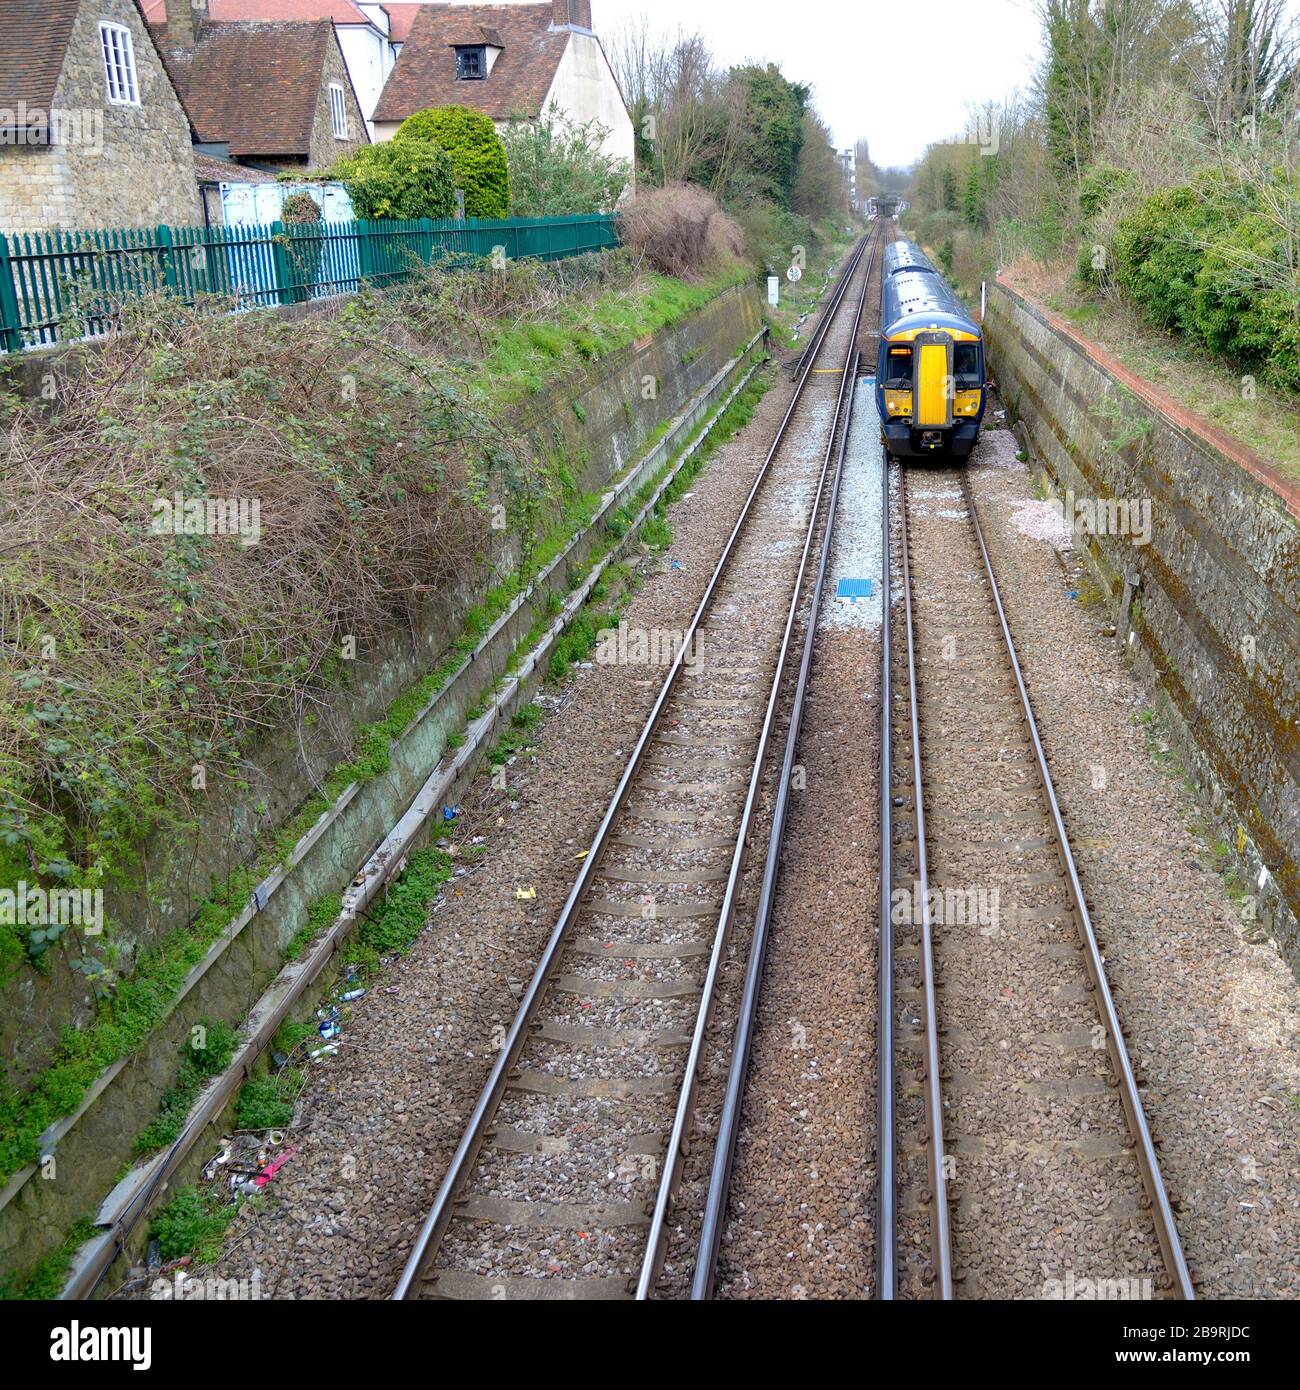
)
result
[(898, 369), (966, 367)]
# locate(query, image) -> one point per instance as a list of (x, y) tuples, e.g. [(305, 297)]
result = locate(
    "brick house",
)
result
[(270, 94), (511, 62), (92, 133)]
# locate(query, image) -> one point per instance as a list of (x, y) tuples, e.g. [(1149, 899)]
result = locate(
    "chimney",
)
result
[(183, 20), (570, 14)]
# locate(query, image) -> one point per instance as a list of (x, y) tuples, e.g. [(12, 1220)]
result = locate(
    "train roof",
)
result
[(917, 296), (906, 255)]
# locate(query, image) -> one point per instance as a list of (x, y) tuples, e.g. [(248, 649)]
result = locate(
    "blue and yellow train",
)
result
[(930, 386)]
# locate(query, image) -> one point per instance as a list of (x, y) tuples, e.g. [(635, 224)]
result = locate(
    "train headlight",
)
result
[(966, 403), (898, 402)]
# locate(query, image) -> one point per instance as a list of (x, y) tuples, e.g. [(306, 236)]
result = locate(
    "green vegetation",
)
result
[(478, 158), (193, 1223), (267, 1102), (1204, 258), (320, 915), (521, 359), (391, 180), (120, 748), (206, 1053), (1157, 171), (45, 1279), (518, 736), (124, 1021), (394, 922), (559, 168)]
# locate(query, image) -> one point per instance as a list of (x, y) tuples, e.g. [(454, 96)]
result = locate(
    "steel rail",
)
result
[(886, 1138), (439, 1217), (940, 1230), (1162, 1212), (729, 1123), (679, 1139)]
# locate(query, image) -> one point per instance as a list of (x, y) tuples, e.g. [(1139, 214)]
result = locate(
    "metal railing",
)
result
[(65, 286)]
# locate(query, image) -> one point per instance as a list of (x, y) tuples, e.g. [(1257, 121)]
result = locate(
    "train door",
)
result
[(932, 384)]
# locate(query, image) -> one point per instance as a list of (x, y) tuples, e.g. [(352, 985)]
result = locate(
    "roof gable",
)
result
[(253, 86), (521, 77)]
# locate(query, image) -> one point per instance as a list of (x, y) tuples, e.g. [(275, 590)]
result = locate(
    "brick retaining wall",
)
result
[(1214, 622)]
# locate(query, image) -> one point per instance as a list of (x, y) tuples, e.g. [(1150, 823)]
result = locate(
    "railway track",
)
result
[(1011, 1116), (563, 1184)]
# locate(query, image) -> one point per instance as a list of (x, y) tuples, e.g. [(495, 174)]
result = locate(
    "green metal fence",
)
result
[(57, 286)]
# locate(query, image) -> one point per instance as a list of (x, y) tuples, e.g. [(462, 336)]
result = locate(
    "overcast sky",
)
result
[(899, 72)]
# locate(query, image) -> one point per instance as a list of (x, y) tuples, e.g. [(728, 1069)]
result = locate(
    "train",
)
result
[(930, 386)]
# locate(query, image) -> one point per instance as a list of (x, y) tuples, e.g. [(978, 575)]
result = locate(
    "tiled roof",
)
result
[(33, 40), (425, 73), (400, 19), (253, 87), (340, 11), (209, 170)]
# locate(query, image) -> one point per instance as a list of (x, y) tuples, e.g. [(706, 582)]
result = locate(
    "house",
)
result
[(370, 35), (271, 94), (92, 132), (511, 62)]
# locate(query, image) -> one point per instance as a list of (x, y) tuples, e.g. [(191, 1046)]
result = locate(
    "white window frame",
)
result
[(338, 111), (118, 54)]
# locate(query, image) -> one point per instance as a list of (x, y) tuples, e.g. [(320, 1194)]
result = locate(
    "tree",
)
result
[(820, 186), (558, 168), (869, 176), (772, 134), (948, 186), (1246, 58), (1098, 56), (406, 179), (478, 158)]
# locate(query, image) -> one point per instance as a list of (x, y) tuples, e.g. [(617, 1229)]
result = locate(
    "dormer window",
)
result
[(471, 63)]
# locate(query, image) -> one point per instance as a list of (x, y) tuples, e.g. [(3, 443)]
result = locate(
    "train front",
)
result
[(930, 376)]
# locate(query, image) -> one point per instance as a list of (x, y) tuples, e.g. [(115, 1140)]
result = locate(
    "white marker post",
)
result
[(774, 290)]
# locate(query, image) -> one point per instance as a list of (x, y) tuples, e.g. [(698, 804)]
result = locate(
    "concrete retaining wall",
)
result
[(597, 422), (695, 364), (1209, 607)]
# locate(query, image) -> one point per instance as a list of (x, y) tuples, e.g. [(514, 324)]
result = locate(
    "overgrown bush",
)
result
[(1099, 187), (478, 158), (391, 180), (1210, 259), (770, 235), (1159, 248), (300, 209), (267, 1102), (680, 230), (560, 169), (351, 454), (1230, 311), (192, 1223)]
